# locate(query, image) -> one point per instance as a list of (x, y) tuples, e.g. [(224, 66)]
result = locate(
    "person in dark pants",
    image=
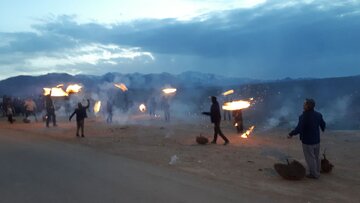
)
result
[(166, 107), (215, 116), (238, 120), (50, 110), (152, 107), (309, 125), (109, 110), (80, 117), (10, 113)]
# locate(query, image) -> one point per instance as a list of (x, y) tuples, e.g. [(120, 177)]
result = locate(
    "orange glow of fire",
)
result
[(55, 92), (60, 85), (75, 88), (236, 105), (97, 107), (142, 107), (228, 92), (169, 90), (248, 132), (122, 86)]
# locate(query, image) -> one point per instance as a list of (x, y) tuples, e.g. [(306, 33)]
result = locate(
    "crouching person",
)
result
[(80, 117)]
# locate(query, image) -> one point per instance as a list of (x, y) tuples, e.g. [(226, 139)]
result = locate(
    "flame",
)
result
[(55, 92), (122, 86), (97, 107), (142, 107), (248, 132), (228, 92), (169, 90), (60, 85), (75, 88), (236, 105), (236, 124), (46, 91)]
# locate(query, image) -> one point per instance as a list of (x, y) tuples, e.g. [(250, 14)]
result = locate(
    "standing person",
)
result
[(238, 120), (80, 117), (215, 117), (30, 108), (166, 107), (10, 112), (50, 110), (109, 109), (152, 107), (309, 125)]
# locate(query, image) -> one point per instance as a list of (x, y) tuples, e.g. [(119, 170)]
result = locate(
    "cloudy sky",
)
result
[(264, 39)]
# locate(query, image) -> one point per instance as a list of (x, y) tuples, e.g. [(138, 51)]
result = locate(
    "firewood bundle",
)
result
[(290, 171), (326, 166), (202, 140)]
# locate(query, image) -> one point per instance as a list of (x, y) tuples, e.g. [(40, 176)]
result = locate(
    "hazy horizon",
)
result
[(258, 39), (99, 75)]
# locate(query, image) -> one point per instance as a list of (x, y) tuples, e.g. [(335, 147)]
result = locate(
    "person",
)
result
[(50, 110), (215, 117), (30, 108), (10, 113), (166, 107), (80, 117), (109, 109), (152, 107), (309, 125), (238, 120)]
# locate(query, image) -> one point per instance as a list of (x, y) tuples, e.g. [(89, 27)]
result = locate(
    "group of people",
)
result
[(309, 125), (17, 107)]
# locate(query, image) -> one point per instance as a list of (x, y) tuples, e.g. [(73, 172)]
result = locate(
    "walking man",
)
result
[(215, 116), (309, 125)]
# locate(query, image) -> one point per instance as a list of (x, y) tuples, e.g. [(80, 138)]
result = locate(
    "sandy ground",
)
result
[(244, 164)]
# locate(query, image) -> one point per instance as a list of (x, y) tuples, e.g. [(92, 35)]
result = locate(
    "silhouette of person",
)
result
[(109, 110), (166, 107), (238, 120), (50, 110), (215, 117), (10, 112), (152, 106), (309, 125), (80, 117)]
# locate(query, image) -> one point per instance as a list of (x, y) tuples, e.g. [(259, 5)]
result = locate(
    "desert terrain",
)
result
[(244, 164)]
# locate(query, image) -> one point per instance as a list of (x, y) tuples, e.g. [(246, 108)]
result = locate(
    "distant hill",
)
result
[(276, 103), (30, 85)]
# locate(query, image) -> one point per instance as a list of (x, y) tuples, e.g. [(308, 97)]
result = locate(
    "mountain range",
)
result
[(30, 85)]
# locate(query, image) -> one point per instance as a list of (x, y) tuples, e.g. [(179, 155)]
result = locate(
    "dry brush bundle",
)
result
[(290, 171), (326, 166), (202, 140)]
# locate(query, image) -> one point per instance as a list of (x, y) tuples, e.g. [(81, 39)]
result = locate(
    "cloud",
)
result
[(93, 54), (270, 39)]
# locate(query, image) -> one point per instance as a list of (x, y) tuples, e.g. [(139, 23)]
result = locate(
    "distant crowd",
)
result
[(16, 106)]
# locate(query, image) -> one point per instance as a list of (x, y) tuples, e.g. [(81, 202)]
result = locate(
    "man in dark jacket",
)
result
[(215, 117), (50, 110), (309, 125), (80, 117)]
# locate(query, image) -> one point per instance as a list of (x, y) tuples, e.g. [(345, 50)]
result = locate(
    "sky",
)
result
[(260, 39)]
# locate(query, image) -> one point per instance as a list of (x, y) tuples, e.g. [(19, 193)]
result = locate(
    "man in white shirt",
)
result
[(30, 108)]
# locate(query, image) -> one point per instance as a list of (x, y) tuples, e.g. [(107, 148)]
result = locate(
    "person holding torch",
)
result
[(80, 117)]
